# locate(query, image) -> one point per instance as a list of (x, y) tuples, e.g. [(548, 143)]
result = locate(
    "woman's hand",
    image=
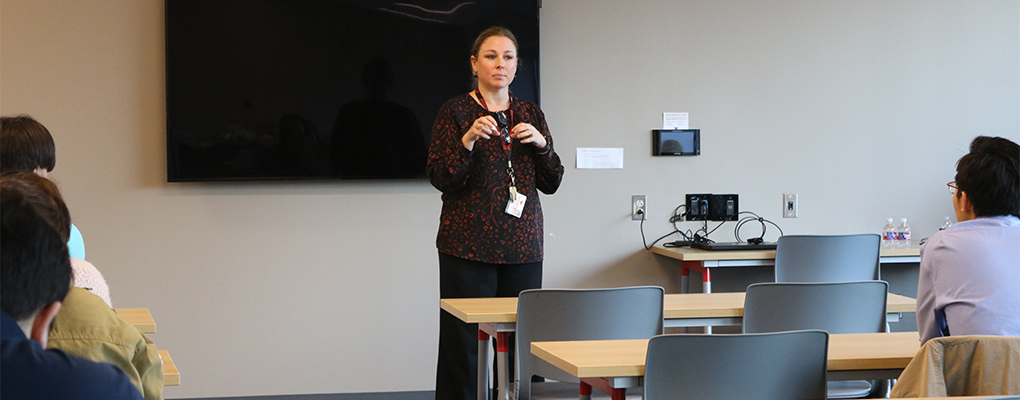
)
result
[(482, 129), (527, 133)]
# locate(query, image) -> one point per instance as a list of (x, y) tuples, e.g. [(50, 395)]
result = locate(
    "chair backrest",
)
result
[(835, 307), (837, 258), (581, 314), (781, 366)]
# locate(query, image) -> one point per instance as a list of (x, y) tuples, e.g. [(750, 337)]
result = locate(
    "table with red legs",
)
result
[(704, 260), (497, 317)]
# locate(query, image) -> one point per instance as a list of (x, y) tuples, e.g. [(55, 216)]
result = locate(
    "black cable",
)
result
[(643, 241), (744, 220), (777, 227), (762, 221), (701, 234), (696, 238), (714, 229), (677, 217)]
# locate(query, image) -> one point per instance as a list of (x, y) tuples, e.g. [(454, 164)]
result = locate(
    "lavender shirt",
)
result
[(970, 280)]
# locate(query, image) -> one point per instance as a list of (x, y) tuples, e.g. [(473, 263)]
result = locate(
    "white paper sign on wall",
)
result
[(674, 120)]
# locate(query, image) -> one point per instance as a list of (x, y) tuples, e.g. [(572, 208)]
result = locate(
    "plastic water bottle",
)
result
[(946, 225), (888, 234), (903, 234)]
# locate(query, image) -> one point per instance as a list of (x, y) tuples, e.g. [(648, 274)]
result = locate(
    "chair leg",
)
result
[(483, 365), (501, 357)]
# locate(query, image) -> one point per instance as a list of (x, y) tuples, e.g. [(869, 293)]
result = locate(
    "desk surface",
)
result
[(139, 317), (622, 358), (689, 254), (675, 306)]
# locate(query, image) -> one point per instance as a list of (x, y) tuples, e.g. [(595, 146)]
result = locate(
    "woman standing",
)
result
[(490, 155)]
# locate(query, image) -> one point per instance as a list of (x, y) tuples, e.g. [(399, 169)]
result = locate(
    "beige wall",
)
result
[(861, 107)]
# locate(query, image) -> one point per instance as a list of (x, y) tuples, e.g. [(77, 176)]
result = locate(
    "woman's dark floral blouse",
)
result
[(476, 187)]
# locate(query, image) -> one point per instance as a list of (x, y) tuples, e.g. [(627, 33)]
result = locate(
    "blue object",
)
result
[(76, 244)]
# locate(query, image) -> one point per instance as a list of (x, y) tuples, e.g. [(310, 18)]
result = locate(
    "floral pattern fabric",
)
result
[(476, 186)]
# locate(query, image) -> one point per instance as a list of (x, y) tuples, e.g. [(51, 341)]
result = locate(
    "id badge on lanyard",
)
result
[(515, 205)]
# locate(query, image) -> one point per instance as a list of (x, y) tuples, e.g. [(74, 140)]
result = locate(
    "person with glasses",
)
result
[(491, 153), (969, 282)]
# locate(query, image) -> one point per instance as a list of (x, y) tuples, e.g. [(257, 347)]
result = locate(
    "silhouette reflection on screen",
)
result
[(374, 137), (299, 151), (672, 146)]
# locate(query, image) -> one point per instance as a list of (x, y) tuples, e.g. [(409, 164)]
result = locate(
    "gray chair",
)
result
[(579, 314), (837, 258), (835, 307), (762, 366)]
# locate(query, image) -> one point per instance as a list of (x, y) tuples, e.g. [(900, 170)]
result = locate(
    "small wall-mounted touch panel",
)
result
[(676, 142)]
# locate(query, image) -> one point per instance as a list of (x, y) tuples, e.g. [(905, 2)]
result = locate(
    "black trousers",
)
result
[(457, 368)]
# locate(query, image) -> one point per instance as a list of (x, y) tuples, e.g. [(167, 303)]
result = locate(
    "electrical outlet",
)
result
[(789, 205), (638, 203)]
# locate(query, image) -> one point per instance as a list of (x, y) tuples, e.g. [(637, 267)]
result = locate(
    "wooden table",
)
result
[(679, 310), (139, 317), (705, 260), (170, 375), (498, 317), (614, 365)]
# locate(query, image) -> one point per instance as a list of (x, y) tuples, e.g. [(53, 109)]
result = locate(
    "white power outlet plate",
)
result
[(789, 205), (638, 202)]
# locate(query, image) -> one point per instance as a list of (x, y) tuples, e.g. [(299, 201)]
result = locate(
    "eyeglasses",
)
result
[(501, 121), (952, 188)]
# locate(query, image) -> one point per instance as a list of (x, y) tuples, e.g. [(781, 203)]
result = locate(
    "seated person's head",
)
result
[(35, 270), (988, 179), (26, 145), (43, 195)]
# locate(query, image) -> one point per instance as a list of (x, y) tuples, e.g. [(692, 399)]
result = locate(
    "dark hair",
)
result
[(35, 269), (25, 145), (493, 31), (990, 174), (42, 194)]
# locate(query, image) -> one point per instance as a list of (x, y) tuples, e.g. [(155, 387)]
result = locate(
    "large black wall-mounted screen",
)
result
[(323, 89)]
